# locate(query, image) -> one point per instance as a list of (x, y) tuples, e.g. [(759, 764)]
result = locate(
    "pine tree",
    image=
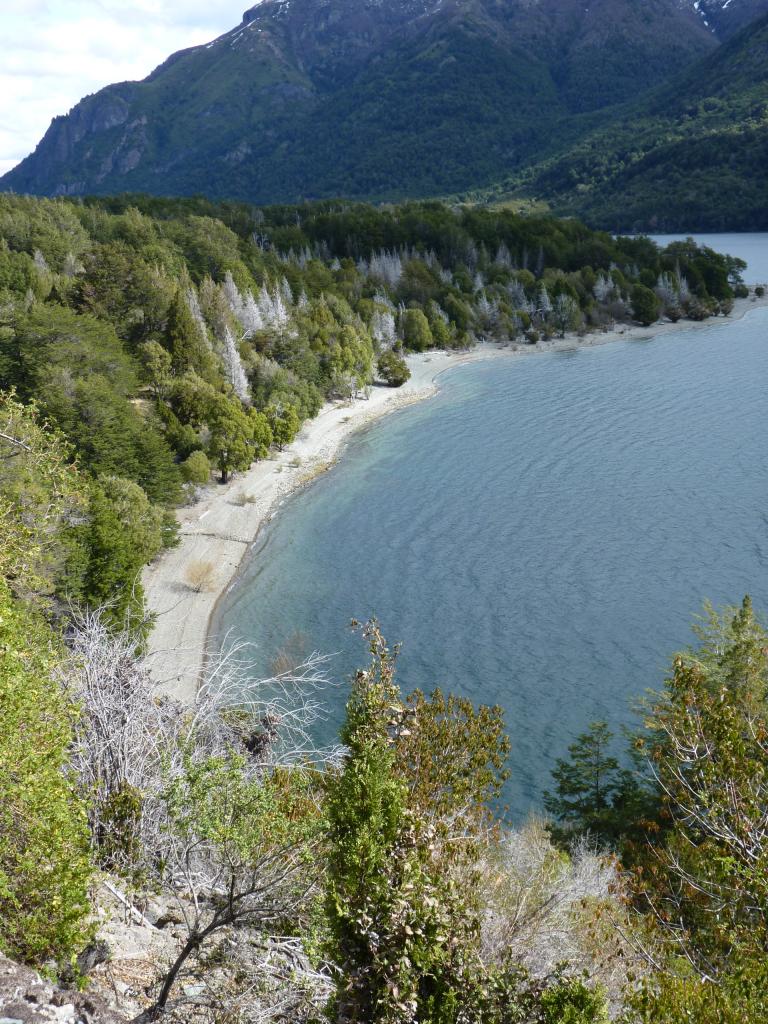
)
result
[(586, 785), (184, 339)]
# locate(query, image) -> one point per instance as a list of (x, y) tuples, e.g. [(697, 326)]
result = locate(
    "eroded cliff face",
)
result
[(97, 137)]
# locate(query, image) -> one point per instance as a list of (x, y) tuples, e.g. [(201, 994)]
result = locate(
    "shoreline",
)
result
[(219, 530)]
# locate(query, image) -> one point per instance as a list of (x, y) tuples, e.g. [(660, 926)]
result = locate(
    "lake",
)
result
[(539, 535)]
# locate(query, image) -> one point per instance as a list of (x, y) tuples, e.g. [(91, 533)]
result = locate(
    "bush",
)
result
[(645, 305), (44, 863), (417, 335), (196, 469), (393, 369), (199, 575)]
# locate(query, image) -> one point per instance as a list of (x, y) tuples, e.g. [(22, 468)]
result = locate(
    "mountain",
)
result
[(726, 17), (366, 98), (691, 155)]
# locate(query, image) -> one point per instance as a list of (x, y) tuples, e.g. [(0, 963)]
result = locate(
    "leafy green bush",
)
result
[(645, 305), (44, 863), (196, 468), (393, 368)]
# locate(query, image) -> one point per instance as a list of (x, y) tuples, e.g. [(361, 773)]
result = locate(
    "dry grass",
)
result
[(199, 575)]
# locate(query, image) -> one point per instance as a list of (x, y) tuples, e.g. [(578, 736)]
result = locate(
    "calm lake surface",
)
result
[(539, 535), (749, 246)]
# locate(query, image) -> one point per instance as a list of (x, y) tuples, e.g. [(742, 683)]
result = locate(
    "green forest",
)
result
[(689, 155), (149, 347)]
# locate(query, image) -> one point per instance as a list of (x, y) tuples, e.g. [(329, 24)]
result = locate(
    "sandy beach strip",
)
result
[(217, 531)]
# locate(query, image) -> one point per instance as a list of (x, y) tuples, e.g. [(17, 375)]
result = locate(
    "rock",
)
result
[(161, 913), (25, 998)]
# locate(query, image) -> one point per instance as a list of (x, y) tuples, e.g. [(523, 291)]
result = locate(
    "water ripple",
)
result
[(539, 535)]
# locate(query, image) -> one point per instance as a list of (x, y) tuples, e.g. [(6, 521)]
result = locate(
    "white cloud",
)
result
[(57, 51)]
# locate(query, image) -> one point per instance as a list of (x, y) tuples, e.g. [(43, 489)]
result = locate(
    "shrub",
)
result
[(416, 331), (199, 575), (393, 369), (44, 863), (196, 469), (645, 305)]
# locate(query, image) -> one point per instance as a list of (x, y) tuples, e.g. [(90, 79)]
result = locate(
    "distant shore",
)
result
[(217, 531)]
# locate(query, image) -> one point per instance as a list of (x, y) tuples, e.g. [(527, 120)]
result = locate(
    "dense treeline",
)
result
[(167, 338)]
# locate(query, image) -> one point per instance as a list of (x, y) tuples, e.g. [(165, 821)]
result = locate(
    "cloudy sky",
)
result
[(57, 51)]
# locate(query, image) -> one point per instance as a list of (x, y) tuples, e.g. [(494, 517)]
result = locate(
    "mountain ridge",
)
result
[(313, 98), (690, 155)]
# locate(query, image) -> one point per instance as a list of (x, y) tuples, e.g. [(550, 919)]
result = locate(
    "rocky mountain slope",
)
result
[(365, 98)]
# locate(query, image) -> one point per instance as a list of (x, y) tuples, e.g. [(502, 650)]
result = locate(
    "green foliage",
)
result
[(217, 801), (157, 364), (283, 423), (708, 748), (738, 997), (151, 332), (402, 913), (570, 1001), (263, 437), (118, 833), (40, 494), (416, 332), (686, 156), (258, 832), (196, 469), (230, 445), (645, 305), (124, 533), (701, 870), (52, 342), (393, 369), (587, 786), (184, 340), (44, 865)]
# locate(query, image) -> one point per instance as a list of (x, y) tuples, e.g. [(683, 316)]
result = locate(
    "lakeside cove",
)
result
[(219, 530)]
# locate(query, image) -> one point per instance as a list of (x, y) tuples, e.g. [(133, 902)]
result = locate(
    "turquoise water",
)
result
[(749, 246), (539, 535)]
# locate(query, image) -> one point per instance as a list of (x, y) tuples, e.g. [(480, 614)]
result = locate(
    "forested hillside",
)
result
[(689, 156), (372, 100), (147, 345), (375, 883)]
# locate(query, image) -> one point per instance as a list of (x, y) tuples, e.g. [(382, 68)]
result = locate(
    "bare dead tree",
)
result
[(544, 908), (177, 792), (129, 739)]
